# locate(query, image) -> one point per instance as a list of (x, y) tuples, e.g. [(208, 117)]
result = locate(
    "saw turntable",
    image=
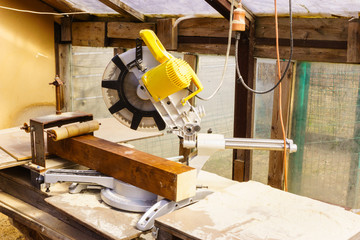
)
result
[(147, 89)]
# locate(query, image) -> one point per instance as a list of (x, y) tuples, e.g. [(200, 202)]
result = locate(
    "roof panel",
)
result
[(91, 6), (346, 8), (171, 7)]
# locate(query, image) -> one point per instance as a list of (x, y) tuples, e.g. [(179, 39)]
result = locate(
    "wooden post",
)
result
[(65, 59), (168, 179), (167, 33), (243, 110), (276, 158), (66, 29), (353, 43)]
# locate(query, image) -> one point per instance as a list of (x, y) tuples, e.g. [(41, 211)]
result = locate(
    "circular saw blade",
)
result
[(120, 96)]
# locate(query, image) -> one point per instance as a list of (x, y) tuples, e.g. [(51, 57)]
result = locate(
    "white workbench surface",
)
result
[(252, 210)]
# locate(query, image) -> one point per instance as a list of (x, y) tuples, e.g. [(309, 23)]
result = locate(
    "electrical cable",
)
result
[(226, 58), (287, 66), (42, 13), (280, 95)]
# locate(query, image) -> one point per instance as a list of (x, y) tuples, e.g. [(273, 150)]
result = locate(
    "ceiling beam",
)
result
[(224, 6), (124, 9)]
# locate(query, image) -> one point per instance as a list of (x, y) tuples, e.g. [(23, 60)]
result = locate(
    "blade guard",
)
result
[(158, 81)]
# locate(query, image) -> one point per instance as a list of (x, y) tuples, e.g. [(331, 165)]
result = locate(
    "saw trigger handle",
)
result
[(197, 83), (157, 49)]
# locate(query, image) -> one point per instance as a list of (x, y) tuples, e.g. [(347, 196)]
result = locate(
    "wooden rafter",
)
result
[(124, 9), (223, 7)]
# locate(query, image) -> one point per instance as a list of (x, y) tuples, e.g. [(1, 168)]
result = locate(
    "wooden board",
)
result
[(38, 220), (7, 161), (167, 33), (251, 210), (171, 180), (113, 131), (303, 53), (95, 214), (327, 29), (204, 27), (353, 47), (127, 30), (91, 34), (16, 142)]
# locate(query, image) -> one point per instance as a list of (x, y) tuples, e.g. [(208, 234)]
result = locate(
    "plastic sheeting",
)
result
[(346, 8)]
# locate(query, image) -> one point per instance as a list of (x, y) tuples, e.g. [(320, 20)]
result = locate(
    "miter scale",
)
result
[(146, 89)]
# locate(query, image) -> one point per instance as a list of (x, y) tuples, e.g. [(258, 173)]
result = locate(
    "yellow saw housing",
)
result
[(171, 76)]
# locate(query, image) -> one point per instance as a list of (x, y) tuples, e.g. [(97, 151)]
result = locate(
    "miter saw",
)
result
[(146, 89)]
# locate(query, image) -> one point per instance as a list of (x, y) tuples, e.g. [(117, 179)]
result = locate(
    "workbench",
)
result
[(235, 210)]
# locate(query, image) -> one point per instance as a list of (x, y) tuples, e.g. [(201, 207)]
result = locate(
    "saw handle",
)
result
[(155, 46), (197, 83)]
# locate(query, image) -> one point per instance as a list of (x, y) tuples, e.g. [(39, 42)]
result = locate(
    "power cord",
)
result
[(237, 37)]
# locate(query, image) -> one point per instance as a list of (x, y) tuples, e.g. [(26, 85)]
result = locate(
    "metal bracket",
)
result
[(138, 57), (166, 206)]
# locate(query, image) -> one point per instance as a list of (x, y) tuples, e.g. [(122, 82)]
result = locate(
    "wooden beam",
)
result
[(224, 6), (205, 48), (90, 34), (303, 53), (204, 27), (329, 29), (167, 33), (124, 9), (127, 30), (66, 29), (353, 44), (243, 110), (276, 158), (168, 179)]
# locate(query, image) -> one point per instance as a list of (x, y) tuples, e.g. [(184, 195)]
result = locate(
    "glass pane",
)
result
[(265, 79)]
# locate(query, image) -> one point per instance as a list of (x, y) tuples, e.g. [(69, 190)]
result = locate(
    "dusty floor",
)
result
[(7, 231)]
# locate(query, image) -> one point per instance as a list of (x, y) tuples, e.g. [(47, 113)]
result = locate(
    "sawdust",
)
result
[(8, 231)]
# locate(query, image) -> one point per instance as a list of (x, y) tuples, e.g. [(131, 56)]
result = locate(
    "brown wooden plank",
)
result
[(353, 47), (329, 29), (205, 48), (167, 33), (171, 180), (124, 9), (91, 34), (303, 54), (65, 56), (238, 168), (127, 30), (204, 27), (276, 158)]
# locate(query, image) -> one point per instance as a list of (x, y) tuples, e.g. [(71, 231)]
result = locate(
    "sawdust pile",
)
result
[(7, 231)]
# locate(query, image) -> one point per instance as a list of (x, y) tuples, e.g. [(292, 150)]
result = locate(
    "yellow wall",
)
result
[(27, 62)]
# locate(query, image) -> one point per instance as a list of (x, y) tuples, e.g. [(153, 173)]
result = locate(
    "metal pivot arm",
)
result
[(260, 144), (208, 144)]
